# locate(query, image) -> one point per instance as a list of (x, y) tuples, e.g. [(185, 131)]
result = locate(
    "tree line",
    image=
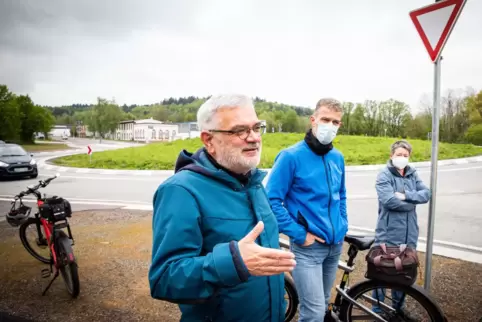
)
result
[(20, 118), (460, 122)]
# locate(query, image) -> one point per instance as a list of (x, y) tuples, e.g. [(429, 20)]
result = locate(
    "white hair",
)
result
[(206, 119)]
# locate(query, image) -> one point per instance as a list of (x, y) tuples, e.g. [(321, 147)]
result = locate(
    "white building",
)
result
[(188, 130), (60, 131), (146, 130)]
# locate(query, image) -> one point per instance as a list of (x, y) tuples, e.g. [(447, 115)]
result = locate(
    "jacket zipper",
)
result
[(329, 199), (406, 233), (406, 216)]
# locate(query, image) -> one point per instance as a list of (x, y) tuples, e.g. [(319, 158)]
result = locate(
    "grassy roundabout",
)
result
[(358, 150)]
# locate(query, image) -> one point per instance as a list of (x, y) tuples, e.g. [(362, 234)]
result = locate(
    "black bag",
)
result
[(55, 209), (395, 264)]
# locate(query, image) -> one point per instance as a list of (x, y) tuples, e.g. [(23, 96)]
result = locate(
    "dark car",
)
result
[(16, 162)]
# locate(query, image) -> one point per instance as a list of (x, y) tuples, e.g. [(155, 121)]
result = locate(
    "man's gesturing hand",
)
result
[(262, 261)]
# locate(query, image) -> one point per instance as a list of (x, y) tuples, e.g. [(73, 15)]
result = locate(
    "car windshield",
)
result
[(12, 151)]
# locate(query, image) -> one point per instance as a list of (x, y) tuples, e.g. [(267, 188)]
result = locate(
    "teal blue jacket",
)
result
[(199, 215)]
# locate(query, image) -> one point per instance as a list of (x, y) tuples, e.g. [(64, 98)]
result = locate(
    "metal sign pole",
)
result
[(433, 178)]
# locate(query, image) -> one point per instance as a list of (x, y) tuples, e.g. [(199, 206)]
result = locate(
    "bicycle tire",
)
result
[(415, 291), (65, 254), (292, 305), (26, 244)]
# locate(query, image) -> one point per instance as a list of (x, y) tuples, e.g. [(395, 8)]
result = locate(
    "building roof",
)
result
[(144, 121), (148, 121)]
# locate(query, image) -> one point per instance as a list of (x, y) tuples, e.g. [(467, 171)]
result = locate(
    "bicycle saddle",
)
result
[(361, 242)]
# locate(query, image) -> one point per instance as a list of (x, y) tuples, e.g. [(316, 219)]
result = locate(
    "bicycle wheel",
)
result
[(292, 305), (67, 264), (32, 225), (419, 295)]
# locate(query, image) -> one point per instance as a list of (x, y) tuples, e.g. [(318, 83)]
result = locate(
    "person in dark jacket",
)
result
[(215, 239), (306, 189), (399, 190)]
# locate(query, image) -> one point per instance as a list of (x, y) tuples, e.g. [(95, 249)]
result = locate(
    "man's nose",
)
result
[(253, 137)]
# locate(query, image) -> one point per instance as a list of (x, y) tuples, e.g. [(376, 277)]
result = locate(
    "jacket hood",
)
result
[(199, 162), (408, 169)]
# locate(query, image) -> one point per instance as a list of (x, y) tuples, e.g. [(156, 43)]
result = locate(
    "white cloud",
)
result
[(290, 52)]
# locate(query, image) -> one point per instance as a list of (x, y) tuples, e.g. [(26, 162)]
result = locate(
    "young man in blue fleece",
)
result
[(215, 239), (306, 189)]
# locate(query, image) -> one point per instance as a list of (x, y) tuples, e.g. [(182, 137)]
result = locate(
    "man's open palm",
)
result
[(262, 261)]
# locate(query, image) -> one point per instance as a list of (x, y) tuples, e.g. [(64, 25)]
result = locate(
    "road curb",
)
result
[(46, 164)]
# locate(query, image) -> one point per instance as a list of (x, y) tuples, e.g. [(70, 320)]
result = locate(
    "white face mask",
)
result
[(326, 132), (400, 162)]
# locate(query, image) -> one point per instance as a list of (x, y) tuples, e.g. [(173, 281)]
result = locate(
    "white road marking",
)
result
[(139, 206), (418, 170), (449, 249), (461, 161), (364, 230), (84, 200), (128, 177)]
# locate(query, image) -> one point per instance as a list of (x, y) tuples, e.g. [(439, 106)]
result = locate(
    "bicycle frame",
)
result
[(341, 294), (52, 216), (49, 226), (49, 235), (347, 268)]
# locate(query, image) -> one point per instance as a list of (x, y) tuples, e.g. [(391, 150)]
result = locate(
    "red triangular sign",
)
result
[(435, 22)]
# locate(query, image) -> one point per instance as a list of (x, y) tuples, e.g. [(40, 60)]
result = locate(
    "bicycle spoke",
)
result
[(389, 307)]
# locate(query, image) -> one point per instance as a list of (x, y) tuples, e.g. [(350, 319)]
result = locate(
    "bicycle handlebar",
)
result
[(30, 190)]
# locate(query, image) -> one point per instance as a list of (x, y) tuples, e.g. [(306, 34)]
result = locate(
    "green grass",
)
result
[(358, 150), (39, 147)]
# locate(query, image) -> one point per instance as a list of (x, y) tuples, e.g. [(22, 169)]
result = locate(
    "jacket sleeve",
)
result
[(277, 187), (421, 195), (178, 272), (386, 195)]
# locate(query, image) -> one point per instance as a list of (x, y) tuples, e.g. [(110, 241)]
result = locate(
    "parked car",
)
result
[(16, 162)]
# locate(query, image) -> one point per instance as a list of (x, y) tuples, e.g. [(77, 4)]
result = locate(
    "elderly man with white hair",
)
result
[(215, 239)]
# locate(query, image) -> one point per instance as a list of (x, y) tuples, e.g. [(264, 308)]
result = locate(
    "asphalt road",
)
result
[(458, 203)]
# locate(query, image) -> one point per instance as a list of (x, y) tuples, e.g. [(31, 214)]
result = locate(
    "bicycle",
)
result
[(48, 223), (346, 298)]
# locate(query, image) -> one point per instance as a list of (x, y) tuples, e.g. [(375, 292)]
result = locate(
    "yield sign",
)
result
[(435, 22), (89, 150)]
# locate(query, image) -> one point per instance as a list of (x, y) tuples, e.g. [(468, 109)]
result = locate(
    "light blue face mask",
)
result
[(326, 132)]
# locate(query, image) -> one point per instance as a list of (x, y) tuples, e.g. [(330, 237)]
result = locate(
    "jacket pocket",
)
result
[(302, 221)]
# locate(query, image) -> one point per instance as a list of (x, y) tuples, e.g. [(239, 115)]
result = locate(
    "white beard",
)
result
[(234, 160)]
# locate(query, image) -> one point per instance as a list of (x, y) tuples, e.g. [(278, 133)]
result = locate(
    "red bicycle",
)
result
[(47, 225)]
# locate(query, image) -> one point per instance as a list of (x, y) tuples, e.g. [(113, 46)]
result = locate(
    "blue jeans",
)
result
[(397, 299), (314, 275)]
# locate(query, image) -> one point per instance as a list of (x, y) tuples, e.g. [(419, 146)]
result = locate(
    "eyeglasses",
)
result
[(243, 132)]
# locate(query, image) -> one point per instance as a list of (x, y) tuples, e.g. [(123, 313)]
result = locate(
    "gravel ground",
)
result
[(113, 252)]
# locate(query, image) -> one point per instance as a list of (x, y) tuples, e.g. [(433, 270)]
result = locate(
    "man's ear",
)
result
[(207, 139), (313, 120)]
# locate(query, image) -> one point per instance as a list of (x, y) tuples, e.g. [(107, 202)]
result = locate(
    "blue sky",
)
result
[(64, 52)]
